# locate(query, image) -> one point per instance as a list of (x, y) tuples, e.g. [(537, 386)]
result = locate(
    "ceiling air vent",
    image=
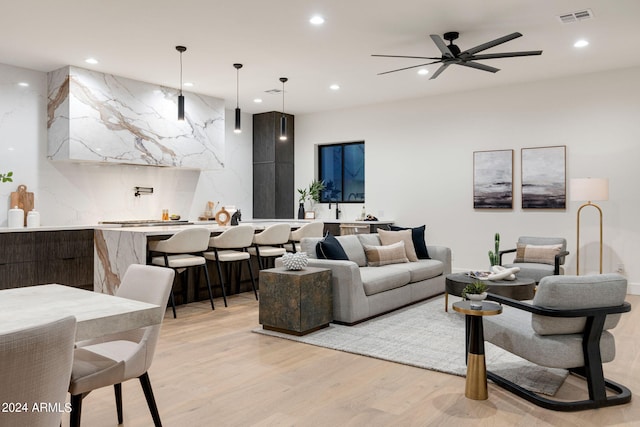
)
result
[(580, 15)]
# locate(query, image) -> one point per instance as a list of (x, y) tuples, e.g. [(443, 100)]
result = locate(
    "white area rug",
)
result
[(425, 336)]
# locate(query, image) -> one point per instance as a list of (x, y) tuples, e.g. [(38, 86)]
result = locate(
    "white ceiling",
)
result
[(273, 38)]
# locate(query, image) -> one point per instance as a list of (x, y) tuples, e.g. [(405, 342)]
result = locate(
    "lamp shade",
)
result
[(589, 189)]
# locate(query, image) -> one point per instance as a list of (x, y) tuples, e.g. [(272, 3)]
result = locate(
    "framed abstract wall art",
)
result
[(544, 177), (493, 179)]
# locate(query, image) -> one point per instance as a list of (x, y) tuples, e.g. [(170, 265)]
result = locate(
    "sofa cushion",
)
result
[(419, 242), (369, 239), (423, 269), (383, 255), (330, 248), (541, 254), (376, 280), (353, 249), (390, 237)]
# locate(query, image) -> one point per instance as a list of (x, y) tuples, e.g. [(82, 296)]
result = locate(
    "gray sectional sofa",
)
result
[(361, 292)]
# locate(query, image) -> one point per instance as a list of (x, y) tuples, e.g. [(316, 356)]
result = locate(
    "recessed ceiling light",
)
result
[(188, 84), (257, 100), (334, 87), (91, 61), (317, 20), (423, 71), (581, 43), (23, 84)]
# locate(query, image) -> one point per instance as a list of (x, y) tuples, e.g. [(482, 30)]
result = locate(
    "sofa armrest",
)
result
[(443, 254), (349, 300)]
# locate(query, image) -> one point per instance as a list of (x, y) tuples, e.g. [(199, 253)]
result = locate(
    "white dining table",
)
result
[(96, 314)]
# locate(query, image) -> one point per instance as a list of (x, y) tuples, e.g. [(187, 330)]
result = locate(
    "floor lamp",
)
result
[(589, 189)]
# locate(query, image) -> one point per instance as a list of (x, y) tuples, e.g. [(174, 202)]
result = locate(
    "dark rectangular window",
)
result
[(341, 169)]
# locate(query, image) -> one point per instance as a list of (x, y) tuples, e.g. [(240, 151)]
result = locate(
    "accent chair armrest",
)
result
[(551, 312), (559, 256), (506, 251)]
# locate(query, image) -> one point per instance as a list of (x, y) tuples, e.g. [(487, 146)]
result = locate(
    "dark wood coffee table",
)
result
[(520, 289)]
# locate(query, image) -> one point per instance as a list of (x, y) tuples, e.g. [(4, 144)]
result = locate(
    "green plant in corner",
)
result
[(494, 256), (476, 287), (6, 177)]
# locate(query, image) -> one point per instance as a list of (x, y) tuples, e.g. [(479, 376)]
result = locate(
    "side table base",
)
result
[(296, 333), (476, 385)]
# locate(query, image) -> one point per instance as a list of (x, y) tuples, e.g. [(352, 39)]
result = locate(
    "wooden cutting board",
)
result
[(23, 200)]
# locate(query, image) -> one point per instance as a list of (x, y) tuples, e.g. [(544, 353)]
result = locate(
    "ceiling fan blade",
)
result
[(408, 68), (446, 52), (402, 56), (492, 43), (440, 70), (505, 55), (479, 66)]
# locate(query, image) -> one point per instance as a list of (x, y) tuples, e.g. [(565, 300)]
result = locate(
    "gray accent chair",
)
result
[(115, 358), (537, 271), (566, 326), (35, 366)]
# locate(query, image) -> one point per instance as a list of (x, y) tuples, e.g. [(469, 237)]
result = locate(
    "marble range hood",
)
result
[(103, 118)]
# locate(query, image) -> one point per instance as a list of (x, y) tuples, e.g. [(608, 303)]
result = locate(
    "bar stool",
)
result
[(181, 251), (270, 242), (233, 244), (312, 229)]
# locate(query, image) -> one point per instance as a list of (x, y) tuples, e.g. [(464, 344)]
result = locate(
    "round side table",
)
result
[(476, 383)]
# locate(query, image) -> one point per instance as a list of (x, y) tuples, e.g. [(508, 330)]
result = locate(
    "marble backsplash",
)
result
[(79, 193), (99, 117)]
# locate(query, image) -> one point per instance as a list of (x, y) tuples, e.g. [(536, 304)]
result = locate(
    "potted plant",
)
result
[(476, 292), (303, 195)]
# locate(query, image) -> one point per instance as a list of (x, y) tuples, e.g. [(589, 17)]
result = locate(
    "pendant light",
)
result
[(237, 128), (181, 97), (283, 118)]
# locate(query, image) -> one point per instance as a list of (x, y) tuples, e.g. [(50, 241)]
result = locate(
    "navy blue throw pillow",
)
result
[(330, 248), (417, 235)]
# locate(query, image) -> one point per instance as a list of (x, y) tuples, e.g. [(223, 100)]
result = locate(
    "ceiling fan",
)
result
[(451, 54)]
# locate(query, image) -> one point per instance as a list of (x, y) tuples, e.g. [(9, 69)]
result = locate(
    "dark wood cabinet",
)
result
[(273, 167), (37, 257)]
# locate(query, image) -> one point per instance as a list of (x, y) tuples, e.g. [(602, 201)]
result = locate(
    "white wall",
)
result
[(419, 163), (85, 193)]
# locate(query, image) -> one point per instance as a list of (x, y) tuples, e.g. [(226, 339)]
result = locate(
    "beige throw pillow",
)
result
[(390, 237), (383, 255), (540, 254)]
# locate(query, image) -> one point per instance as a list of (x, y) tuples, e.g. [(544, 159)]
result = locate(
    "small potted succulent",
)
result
[(476, 292)]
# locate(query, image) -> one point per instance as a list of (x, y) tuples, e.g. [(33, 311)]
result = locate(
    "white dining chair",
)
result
[(115, 358), (231, 247), (35, 367), (312, 229), (269, 243), (180, 252)]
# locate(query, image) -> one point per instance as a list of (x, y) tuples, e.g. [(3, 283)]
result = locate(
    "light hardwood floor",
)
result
[(211, 370)]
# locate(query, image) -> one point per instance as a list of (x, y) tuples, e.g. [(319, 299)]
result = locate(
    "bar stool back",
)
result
[(231, 246), (181, 251), (270, 242), (312, 229)]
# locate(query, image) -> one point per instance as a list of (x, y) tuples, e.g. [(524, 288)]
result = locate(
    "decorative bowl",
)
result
[(295, 261)]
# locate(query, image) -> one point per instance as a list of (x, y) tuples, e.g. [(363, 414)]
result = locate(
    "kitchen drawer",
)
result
[(17, 247)]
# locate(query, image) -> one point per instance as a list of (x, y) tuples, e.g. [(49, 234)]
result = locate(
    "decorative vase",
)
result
[(301, 211), (295, 261), (476, 299)]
